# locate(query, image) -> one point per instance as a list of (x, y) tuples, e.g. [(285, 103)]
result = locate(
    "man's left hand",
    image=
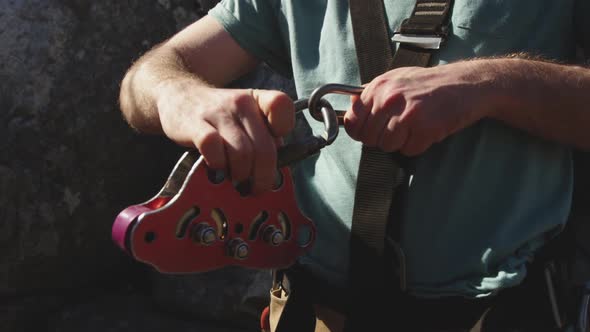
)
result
[(408, 109)]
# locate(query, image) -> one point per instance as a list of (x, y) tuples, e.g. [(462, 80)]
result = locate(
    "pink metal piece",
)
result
[(196, 225), (123, 224)]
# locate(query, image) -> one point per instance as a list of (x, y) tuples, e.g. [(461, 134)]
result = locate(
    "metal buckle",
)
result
[(401, 268), (584, 310), (431, 42), (549, 270)]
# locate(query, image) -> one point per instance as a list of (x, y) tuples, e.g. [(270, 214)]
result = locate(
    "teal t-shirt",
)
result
[(481, 201)]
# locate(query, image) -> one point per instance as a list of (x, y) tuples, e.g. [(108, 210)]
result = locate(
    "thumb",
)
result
[(354, 117), (278, 109)]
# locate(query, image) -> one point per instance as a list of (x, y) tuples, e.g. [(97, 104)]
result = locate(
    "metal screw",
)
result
[(273, 236), (204, 234), (238, 249)]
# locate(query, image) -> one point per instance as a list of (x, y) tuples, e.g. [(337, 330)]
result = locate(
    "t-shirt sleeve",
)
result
[(254, 26), (582, 26)]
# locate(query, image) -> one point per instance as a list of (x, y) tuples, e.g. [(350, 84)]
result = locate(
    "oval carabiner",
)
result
[(311, 145), (325, 114), (316, 98)]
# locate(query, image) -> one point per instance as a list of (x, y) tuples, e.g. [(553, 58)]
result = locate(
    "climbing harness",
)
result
[(200, 220)]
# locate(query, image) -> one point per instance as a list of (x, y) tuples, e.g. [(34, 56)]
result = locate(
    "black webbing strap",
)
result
[(380, 174), (370, 36)]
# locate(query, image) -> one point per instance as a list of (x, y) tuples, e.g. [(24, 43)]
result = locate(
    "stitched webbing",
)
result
[(380, 173), (370, 35)]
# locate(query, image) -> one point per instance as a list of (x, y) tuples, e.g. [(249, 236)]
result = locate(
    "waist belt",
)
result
[(414, 313)]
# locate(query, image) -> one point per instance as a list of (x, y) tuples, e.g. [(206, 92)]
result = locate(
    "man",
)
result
[(492, 127)]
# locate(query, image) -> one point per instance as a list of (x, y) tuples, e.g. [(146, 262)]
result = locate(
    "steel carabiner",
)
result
[(316, 98), (311, 145), (316, 101)]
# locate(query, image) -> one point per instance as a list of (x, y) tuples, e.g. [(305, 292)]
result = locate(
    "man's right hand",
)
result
[(175, 89), (235, 130)]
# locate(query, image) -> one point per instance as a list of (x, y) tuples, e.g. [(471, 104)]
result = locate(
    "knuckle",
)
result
[(394, 123), (208, 140), (377, 109), (241, 102), (210, 145), (380, 81), (217, 116), (208, 113), (394, 101), (243, 155), (281, 114), (278, 99)]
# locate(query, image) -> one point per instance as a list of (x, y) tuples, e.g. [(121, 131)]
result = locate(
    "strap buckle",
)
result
[(428, 26), (399, 264), (431, 42), (549, 271), (279, 282), (584, 311)]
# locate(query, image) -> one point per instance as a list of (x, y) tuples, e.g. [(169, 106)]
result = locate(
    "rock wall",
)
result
[(69, 164)]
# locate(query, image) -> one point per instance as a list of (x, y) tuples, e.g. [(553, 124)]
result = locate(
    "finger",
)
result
[(355, 117), (238, 147), (378, 120), (210, 145), (416, 143), (394, 136), (264, 150), (278, 110)]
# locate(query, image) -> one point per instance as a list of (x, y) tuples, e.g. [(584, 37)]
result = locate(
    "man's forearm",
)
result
[(546, 99), (143, 84), (176, 70)]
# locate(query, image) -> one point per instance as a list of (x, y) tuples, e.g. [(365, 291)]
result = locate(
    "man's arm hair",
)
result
[(203, 54), (544, 97)]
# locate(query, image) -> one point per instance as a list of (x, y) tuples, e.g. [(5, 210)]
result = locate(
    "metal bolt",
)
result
[(204, 234), (273, 236), (238, 249)]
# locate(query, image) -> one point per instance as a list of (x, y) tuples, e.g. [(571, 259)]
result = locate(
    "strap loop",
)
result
[(429, 18)]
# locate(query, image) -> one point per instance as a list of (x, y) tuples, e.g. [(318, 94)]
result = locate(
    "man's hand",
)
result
[(176, 89), (235, 130), (408, 109)]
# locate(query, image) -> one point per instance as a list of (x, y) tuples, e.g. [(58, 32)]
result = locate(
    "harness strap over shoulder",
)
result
[(383, 177)]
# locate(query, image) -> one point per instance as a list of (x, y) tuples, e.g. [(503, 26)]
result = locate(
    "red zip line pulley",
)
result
[(201, 221)]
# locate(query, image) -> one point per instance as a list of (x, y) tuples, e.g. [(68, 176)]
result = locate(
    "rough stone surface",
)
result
[(69, 164)]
